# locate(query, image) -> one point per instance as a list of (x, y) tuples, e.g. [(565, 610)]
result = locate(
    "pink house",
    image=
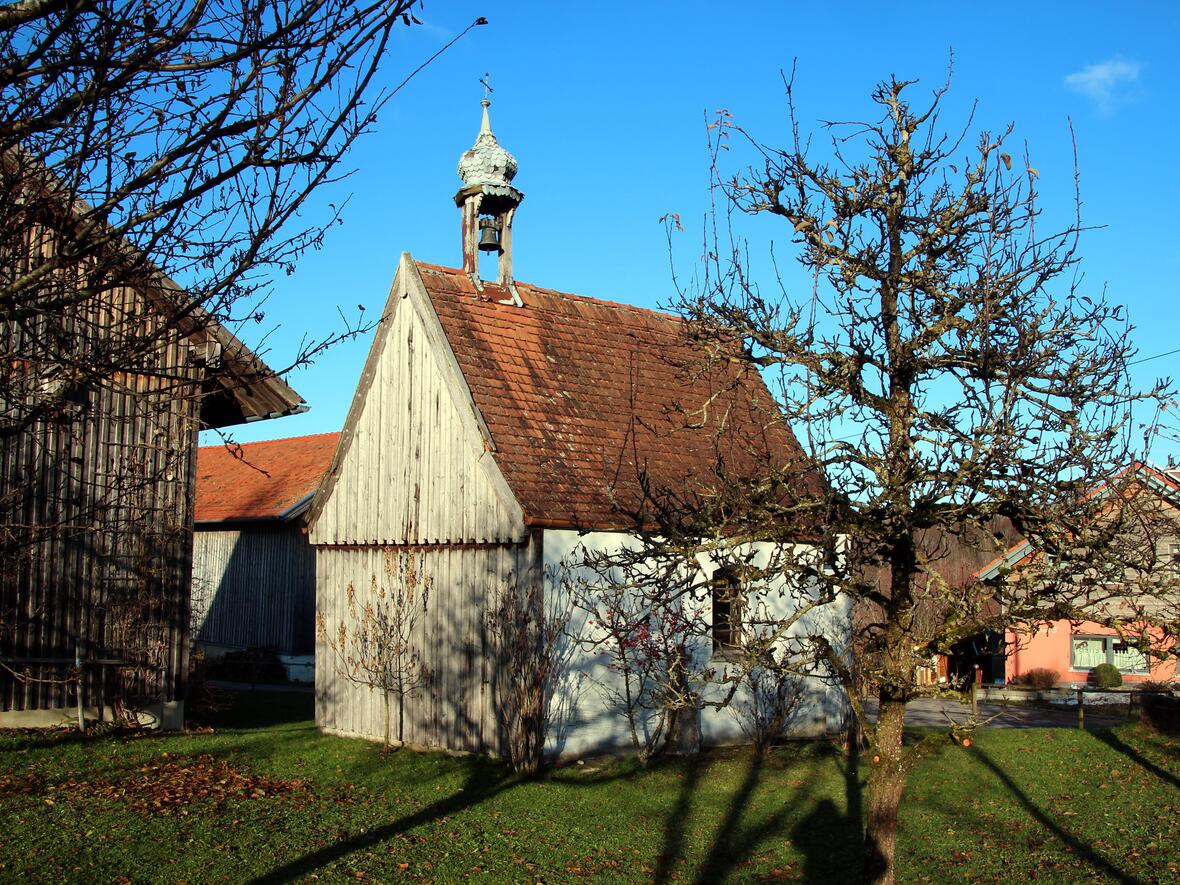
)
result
[(1075, 648)]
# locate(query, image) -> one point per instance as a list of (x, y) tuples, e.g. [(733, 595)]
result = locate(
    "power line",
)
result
[(1155, 357)]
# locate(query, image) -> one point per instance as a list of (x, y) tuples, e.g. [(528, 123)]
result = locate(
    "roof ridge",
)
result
[(279, 439), (603, 302)]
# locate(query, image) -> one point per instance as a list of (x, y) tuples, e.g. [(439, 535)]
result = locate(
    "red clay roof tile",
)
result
[(587, 401), (260, 480)]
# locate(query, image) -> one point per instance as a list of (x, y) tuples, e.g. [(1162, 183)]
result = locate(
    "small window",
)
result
[(1087, 652), (728, 606), (1171, 552)]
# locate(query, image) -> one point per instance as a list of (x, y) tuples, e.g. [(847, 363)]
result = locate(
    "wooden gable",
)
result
[(415, 462)]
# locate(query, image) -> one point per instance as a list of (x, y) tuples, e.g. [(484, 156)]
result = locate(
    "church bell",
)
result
[(489, 237)]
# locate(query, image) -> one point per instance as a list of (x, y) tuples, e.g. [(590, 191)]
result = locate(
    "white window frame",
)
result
[(1108, 646)]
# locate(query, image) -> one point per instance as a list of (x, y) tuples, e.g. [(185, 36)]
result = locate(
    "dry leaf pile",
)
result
[(163, 786)]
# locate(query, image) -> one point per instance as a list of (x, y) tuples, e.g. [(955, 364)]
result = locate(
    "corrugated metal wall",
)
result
[(95, 503), (255, 586)]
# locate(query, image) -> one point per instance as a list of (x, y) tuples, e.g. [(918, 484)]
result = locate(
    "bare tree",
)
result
[(766, 707), (944, 367), (156, 162), (376, 645), (167, 140)]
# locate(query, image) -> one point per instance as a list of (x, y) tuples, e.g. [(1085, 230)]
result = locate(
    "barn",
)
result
[(109, 369), (96, 507), (499, 432), (253, 569)]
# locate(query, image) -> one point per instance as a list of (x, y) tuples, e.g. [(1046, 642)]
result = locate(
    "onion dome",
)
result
[(486, 164)]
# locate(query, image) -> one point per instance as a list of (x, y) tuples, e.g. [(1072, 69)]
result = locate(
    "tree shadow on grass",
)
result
[(732, 842), (1116, 743), (673, 847), (828, 838), (485, 781), (1080, 849)]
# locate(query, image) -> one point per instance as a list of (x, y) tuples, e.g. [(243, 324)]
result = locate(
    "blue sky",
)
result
[(606, 116)]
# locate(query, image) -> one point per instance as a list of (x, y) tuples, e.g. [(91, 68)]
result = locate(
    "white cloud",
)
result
[(1104, 82)]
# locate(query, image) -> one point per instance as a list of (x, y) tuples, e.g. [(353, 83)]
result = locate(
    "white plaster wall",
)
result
[(584, 721)]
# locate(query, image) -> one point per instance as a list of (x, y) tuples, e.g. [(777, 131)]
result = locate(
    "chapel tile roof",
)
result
[(260, 480), (590, 402)]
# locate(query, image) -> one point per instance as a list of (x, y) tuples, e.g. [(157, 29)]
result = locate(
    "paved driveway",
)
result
[(934, 711)]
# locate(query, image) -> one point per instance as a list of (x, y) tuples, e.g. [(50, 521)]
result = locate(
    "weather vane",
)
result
[(487, 86)]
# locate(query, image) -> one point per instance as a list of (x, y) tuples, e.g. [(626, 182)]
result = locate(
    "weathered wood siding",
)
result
[(456, 707), (414, 468), (415, 477), (254, 585), (95, 502)]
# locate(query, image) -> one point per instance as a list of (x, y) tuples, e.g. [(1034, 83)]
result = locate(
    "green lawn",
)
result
[(280, 802)]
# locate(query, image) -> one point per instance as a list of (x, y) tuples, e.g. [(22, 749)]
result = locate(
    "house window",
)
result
[(1087, 652), (728, 606), (1128, 658), (1170, 553)]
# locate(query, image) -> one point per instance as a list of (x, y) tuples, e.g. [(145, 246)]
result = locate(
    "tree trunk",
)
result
[(684, 724), (886, 782), (385, 695), (684, 731), (401, 717)]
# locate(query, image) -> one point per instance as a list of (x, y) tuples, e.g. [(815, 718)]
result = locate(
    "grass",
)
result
[(278, 802), (1056, 805)]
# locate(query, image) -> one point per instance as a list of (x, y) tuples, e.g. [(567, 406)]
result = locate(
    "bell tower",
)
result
[(488, 203)]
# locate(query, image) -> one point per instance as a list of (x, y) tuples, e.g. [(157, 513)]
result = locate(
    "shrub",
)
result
[(1162, 712), (772, 701), (1107, 676), (1041, 677)]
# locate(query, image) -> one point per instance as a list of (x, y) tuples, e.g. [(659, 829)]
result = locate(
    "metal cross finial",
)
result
[(487, 86)]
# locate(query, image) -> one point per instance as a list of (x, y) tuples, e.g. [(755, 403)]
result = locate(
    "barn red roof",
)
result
[(592, 404), (260, 480)]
